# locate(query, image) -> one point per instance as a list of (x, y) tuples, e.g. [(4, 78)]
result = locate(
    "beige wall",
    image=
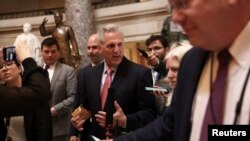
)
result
[(138, 21)]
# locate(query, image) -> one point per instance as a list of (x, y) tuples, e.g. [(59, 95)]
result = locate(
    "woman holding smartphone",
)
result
[(33, 126), (172, 60)]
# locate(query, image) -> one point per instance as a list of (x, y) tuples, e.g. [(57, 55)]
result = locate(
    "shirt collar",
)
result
[(106, 67), (240, 49), (51, 66)]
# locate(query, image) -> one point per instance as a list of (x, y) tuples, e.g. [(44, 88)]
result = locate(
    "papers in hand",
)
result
[(82, 112)]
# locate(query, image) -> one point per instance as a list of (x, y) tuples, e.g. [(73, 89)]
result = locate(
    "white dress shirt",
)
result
[(104, 74), (50, 70), (238, 69)]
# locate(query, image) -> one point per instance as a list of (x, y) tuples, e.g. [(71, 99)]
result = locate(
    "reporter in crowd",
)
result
[(172, 60), (32, 126), (33, 93), (157, 47)]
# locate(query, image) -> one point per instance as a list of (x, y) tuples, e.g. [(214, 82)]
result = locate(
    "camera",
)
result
[(9, 53)]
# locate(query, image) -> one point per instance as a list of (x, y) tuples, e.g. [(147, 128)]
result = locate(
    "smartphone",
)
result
[(9, 53), (94, 138), (157, 89), (143, 52)]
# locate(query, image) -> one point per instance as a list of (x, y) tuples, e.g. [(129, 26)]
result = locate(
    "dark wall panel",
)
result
[(14, 6)]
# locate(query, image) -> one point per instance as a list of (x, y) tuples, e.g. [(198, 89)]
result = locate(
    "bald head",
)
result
[(93, 39), (94, 49)]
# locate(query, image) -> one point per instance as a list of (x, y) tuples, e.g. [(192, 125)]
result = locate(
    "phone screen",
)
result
[(9, 53), (156, 89), (94, 138)]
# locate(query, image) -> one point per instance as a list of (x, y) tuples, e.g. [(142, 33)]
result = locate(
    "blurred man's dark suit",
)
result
[(73, 131)]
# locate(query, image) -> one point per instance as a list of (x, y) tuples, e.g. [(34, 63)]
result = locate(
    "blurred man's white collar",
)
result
[(241, 47)]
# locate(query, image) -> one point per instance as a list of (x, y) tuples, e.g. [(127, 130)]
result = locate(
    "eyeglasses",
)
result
[(7, 65)]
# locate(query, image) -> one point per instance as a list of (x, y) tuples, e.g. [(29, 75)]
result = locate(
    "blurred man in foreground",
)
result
[(219, 30)]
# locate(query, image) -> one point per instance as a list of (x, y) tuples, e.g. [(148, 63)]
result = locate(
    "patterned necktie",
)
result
[(106, 86), (215, 106)]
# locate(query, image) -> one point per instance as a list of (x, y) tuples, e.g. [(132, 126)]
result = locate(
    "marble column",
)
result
[(78, 14)]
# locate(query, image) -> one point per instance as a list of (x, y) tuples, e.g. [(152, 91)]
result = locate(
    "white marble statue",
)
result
[(32, 41)]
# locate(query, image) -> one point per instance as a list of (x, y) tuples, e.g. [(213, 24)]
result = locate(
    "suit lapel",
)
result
[(188, 79), (121, 73), (55, 75), (119, 77), (3, 130), (97, 79)]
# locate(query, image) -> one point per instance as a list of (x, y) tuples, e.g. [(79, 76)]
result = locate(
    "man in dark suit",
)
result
[(128, 81), (16, 101), (215, 27), (94, 54)]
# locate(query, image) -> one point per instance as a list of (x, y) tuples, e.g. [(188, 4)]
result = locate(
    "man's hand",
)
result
[(45, 20), (53, 111), (77, 122), (118, 117), (153, 60), (74, 138), (101, 118)]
